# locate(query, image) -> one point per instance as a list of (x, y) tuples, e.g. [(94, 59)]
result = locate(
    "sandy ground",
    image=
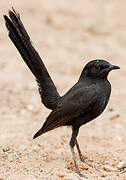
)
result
[(67, 34)]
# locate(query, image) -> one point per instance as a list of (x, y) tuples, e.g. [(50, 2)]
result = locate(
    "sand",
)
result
[(67, 35)]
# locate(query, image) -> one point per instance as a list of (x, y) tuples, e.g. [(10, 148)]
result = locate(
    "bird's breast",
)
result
[(103, 94)]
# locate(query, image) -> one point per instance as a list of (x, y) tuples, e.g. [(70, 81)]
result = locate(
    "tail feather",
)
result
[(44, 130), (19, 36), (16, 39), (39, 132), (15, 17)]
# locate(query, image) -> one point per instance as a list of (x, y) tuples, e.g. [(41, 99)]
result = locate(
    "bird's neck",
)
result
[(92, 79)]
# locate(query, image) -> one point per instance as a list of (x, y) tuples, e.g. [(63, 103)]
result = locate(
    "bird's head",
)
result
[(98, 69)]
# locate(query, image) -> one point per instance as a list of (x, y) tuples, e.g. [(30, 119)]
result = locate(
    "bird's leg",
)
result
[(80, 154), (82, 157), (79, 151), (72, 144)]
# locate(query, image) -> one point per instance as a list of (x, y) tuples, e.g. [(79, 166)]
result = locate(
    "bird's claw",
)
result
[(80, 174), (82, 160)]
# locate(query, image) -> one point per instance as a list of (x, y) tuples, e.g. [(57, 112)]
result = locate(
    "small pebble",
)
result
[(1, 162), (109, 168), (10, 158), (6, 149), (60, 174), (29, 107), (121, 165), (114, 117), (111, 109)]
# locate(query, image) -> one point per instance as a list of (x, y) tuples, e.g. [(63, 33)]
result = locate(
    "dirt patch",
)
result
[(67, 34)]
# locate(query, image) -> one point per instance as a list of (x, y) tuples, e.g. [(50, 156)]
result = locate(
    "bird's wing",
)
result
[(74, 104), (19, 36)]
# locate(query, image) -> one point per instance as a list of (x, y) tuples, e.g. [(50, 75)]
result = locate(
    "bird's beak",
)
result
[(113, 67)]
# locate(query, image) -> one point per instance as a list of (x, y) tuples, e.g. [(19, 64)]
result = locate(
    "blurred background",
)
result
[(67, 34)]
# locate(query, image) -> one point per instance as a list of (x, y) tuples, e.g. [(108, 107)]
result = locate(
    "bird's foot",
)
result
[(80, 174), (77, 171), (82, 160)]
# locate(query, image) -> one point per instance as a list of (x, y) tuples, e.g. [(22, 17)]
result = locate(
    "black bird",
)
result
[(85, 101)]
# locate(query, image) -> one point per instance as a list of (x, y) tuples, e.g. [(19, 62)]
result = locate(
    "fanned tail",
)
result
[(19, 36)]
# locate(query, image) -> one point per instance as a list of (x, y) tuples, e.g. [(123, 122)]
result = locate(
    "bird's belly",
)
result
[(95, 111), (91, 114)]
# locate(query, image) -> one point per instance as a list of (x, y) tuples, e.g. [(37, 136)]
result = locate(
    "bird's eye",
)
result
[(97, 67)]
